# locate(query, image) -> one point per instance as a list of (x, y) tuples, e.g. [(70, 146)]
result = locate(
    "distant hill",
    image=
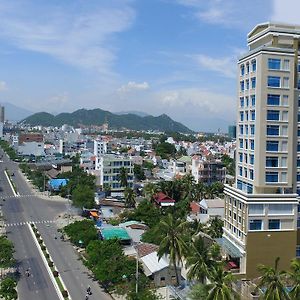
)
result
[(15, 113), (134, 112), (99, 116)]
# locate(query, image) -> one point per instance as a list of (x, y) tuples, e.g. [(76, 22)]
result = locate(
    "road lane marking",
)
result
[(27, 223), (10, 184)]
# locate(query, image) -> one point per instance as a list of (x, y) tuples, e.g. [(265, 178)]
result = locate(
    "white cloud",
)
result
[(78, 34), (134, 86), (225, 66), (3, 86), (204, 100), (286, 11), (228, 12)]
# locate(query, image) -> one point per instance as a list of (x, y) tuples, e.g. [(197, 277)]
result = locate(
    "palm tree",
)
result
[(188, 182), (172, 244), (294, 276), (215, 228), (199, 260), (273, 281), (129, 197), (221, 286), (122, 177), (198, 191), (210, 192), (150, 190)]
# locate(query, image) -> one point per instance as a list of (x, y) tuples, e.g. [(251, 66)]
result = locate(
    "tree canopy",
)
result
[(83, 231)]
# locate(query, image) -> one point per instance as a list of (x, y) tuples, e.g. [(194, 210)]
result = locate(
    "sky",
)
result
[(176, 57)]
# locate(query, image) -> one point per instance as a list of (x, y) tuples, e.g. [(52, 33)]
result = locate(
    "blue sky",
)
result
[(158, 56)]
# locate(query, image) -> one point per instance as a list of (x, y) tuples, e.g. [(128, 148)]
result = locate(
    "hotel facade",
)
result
[(261, 208)]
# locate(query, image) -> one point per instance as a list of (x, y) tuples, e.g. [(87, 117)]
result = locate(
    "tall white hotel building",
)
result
[(261, 209)]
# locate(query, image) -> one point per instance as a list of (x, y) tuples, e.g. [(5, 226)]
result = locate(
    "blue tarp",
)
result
[(56, 184)]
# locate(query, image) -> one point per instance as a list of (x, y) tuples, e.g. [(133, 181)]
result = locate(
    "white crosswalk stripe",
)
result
[(29, 222)]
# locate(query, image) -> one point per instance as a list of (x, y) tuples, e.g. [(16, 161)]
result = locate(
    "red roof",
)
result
[(161, 197)]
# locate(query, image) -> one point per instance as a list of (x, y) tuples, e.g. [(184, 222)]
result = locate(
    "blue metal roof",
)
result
[(56, 184)]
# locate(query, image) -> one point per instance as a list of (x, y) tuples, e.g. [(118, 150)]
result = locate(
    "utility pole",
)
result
[(137, 271)]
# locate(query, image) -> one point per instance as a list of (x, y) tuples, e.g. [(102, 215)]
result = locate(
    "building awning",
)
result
[(229, 247), (94, 214)]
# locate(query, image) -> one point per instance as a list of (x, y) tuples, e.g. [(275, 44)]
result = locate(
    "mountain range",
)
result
[(98, 116)]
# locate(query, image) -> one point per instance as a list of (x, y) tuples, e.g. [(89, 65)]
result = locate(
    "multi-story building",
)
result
[(101, 147), (208, 171), (110, 166), (261, 209), (2, 114)]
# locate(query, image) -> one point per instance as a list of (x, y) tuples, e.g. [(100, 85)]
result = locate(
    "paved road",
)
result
[(29, 207)]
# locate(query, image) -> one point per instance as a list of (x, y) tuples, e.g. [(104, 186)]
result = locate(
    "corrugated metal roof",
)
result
[(152, 263), (115, 232)]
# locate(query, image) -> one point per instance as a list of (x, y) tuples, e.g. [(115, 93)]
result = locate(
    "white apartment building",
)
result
[(101, 147), (261, 209), (109, 170)]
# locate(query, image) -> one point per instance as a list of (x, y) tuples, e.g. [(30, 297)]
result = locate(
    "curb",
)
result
[(16, 194)]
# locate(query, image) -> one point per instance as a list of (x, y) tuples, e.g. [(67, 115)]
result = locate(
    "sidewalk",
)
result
[(44, 195)]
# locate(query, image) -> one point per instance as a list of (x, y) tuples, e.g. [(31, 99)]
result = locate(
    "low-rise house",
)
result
[(162, 200), (159, 270), (206, 209)]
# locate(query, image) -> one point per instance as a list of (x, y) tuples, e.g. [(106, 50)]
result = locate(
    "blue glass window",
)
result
[(251, 174), (298, 248), (298, 132), (272, 146), (271, 176), (252, 144), (273, 115), (241, 157), (253, 63), (242, 101), (242, 70), (273, 81), (241, 171), (247, 84), (272, 129), (246, 158), (248, 68), (298, 117), (298, 162), (247, 101), (252, 129), (246, 144), (253, 100), (255, 225), (252, 115), (246, 128), (273, 99), (241, 129), (271, 162), (298, 147), (241, 116), (274, 64), (251, 159), (274, 224), (253, 82), (298, 179), (242, 85), (241, 144)]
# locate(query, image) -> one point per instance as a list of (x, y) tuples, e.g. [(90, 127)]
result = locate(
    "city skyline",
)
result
[(174, 57)]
